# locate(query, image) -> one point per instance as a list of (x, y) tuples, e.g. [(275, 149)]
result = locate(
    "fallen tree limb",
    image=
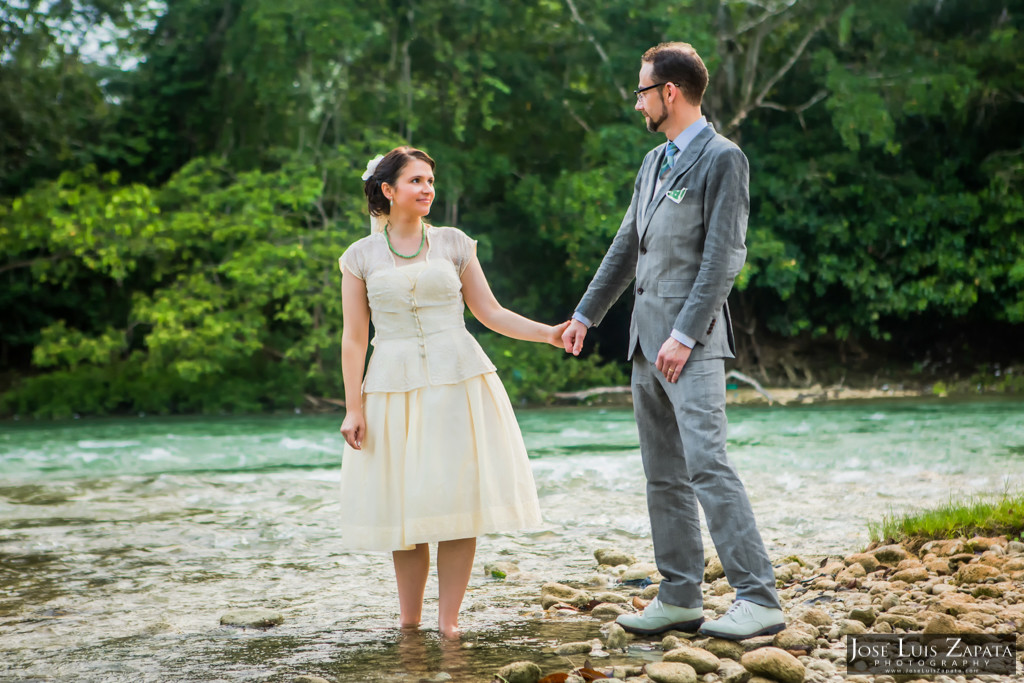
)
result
[(584, 394), (318, 401), (736, 374)]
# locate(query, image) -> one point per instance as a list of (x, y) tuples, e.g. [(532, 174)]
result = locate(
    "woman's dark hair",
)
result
[(679, 63), (387, 171)]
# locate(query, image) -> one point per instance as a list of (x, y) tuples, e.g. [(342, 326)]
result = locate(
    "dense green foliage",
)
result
[(177, 182)]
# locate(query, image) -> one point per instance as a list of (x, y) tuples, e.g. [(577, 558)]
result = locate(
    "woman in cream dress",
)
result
[(434, 453)]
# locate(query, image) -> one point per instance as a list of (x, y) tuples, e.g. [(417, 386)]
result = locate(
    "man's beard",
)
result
[(653, 125)]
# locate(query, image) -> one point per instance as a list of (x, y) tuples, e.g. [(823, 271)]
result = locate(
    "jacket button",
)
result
[(643, 250), (639, 290)]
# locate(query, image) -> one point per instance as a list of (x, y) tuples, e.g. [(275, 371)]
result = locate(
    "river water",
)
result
[(122, 542)]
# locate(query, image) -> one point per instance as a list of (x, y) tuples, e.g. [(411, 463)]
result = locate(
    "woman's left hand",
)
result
[(554, 336)]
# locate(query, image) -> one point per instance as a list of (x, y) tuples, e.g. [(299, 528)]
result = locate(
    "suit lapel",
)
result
[(686, 160)]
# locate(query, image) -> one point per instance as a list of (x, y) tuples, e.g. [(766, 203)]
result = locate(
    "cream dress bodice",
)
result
[(417, 312)]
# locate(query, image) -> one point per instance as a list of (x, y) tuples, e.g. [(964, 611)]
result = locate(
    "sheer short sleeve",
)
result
[(352, 262), (463, 249)]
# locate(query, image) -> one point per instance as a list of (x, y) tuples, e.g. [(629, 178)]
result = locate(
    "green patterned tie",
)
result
[(669, 161)]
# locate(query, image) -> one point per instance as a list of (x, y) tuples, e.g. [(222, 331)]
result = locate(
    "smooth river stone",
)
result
[(975, 573), (252, 618), (613, 557), (671, 672), (798, 636), (732, 672), (702, 661), (582, 648), (816, 617), (713, 570), (640, 570), (773, 663), (890, 554), (607, 610), (616, 638), (558, 591), (520, 672)]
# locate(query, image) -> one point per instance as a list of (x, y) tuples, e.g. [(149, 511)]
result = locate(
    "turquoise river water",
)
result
[(123, 541)]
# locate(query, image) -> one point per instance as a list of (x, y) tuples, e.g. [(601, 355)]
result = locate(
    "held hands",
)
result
[(671, 358), (555, 332), (353, 428), (572, 337)]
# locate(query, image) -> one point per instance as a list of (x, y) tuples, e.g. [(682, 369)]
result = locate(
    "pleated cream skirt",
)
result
[(438, 463)]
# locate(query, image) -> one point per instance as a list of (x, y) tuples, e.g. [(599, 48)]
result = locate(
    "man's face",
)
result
[(651, 103)]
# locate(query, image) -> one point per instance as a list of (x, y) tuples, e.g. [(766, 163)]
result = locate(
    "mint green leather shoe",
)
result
[(744, 620), (658, 617)]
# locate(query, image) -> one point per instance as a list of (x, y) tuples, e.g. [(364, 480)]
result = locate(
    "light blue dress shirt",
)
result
[(682, 141)]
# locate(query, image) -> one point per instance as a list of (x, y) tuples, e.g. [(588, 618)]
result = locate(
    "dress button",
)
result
[(639, 290)]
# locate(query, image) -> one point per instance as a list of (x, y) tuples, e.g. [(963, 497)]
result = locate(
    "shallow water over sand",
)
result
[(123, 541)]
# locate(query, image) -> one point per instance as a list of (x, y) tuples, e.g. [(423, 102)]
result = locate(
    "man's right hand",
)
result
[(573, 336)]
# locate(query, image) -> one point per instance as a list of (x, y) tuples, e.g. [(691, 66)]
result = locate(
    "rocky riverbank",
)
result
[(960, 586)]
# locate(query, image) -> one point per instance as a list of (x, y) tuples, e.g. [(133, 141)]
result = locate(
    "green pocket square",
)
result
[(676, 195)]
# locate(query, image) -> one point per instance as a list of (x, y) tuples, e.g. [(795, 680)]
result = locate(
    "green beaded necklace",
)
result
[(423, 240)]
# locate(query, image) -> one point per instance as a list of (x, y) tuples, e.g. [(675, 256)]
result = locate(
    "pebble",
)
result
[(975, 573), (866, 560), (732, 672), (650, 592), (865, 615), (252, 618), (713, 569), (607, 610), (756, 643), (581, 648), (701, 660), (613, 557), (616, 637), (911, 575), (671, 672), (559, 592), (520, 672), (775, 664), (640, 570), (947, 587), (724, 649), (798, 636), (850, 627), (890, 554)]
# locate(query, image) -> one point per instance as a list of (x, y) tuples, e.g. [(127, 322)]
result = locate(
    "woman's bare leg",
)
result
[(411, 567), (454, 567)]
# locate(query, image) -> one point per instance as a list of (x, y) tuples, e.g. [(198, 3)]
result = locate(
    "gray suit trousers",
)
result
[(682, 443)]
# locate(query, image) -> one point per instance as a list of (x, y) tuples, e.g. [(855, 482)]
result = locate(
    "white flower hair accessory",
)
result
[(371, 167)]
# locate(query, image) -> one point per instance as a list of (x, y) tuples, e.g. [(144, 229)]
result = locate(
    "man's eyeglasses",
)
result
[(639, 92)]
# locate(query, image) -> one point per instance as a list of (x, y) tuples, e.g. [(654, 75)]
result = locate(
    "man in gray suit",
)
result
[(682, 239)]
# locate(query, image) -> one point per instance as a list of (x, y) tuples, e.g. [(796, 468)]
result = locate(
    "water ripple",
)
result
[(123, 541)]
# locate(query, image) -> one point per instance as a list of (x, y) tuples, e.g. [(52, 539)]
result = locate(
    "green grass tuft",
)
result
[(979, 516)]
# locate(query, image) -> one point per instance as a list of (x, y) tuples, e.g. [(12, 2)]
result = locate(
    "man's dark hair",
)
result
[(679, 63)]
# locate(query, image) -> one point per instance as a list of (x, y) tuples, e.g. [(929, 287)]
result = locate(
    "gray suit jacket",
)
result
[(683, 254)]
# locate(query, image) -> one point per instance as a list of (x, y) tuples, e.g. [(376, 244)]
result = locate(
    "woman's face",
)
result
[(413, 191)]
